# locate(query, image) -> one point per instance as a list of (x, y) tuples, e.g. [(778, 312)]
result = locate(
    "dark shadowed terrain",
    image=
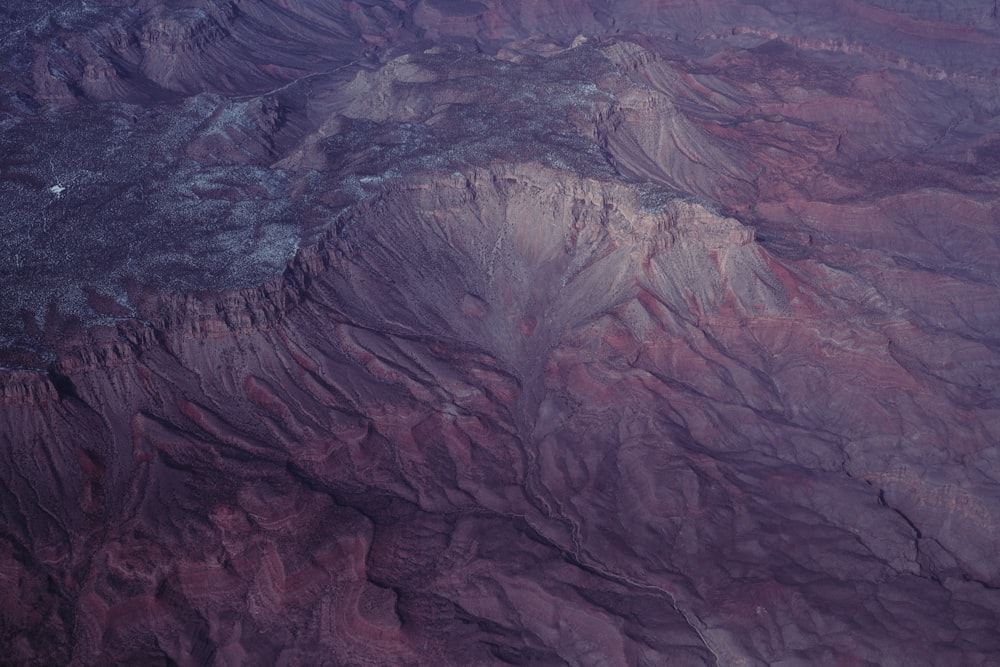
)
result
[(440, 332)]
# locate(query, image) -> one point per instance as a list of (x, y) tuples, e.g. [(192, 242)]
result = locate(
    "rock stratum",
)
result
[(500, 333)]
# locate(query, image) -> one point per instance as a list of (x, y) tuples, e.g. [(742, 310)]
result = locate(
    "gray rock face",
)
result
[(410, 333)]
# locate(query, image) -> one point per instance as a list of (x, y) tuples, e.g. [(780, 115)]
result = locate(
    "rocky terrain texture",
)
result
[(427, 332)]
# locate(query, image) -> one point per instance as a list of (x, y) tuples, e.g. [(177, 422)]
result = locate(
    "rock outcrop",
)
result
[(500, 333)]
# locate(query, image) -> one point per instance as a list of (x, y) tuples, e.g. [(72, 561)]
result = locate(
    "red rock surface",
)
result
[(474, 333)]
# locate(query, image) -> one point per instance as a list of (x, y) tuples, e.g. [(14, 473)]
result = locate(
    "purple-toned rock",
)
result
[(483, 333)]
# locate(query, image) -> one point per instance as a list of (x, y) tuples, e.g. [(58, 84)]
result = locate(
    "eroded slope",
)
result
[(605, 335)]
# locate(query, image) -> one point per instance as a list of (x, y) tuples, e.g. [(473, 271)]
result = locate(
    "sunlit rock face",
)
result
[(483, 333)]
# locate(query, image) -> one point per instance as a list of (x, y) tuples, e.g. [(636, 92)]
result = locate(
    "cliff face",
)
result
[(502, 333)]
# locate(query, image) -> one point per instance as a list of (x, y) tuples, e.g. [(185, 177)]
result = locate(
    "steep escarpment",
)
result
[(446, 406), (499, 333)]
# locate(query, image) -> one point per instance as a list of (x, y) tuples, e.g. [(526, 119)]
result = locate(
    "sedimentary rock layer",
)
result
[(500, 333)]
